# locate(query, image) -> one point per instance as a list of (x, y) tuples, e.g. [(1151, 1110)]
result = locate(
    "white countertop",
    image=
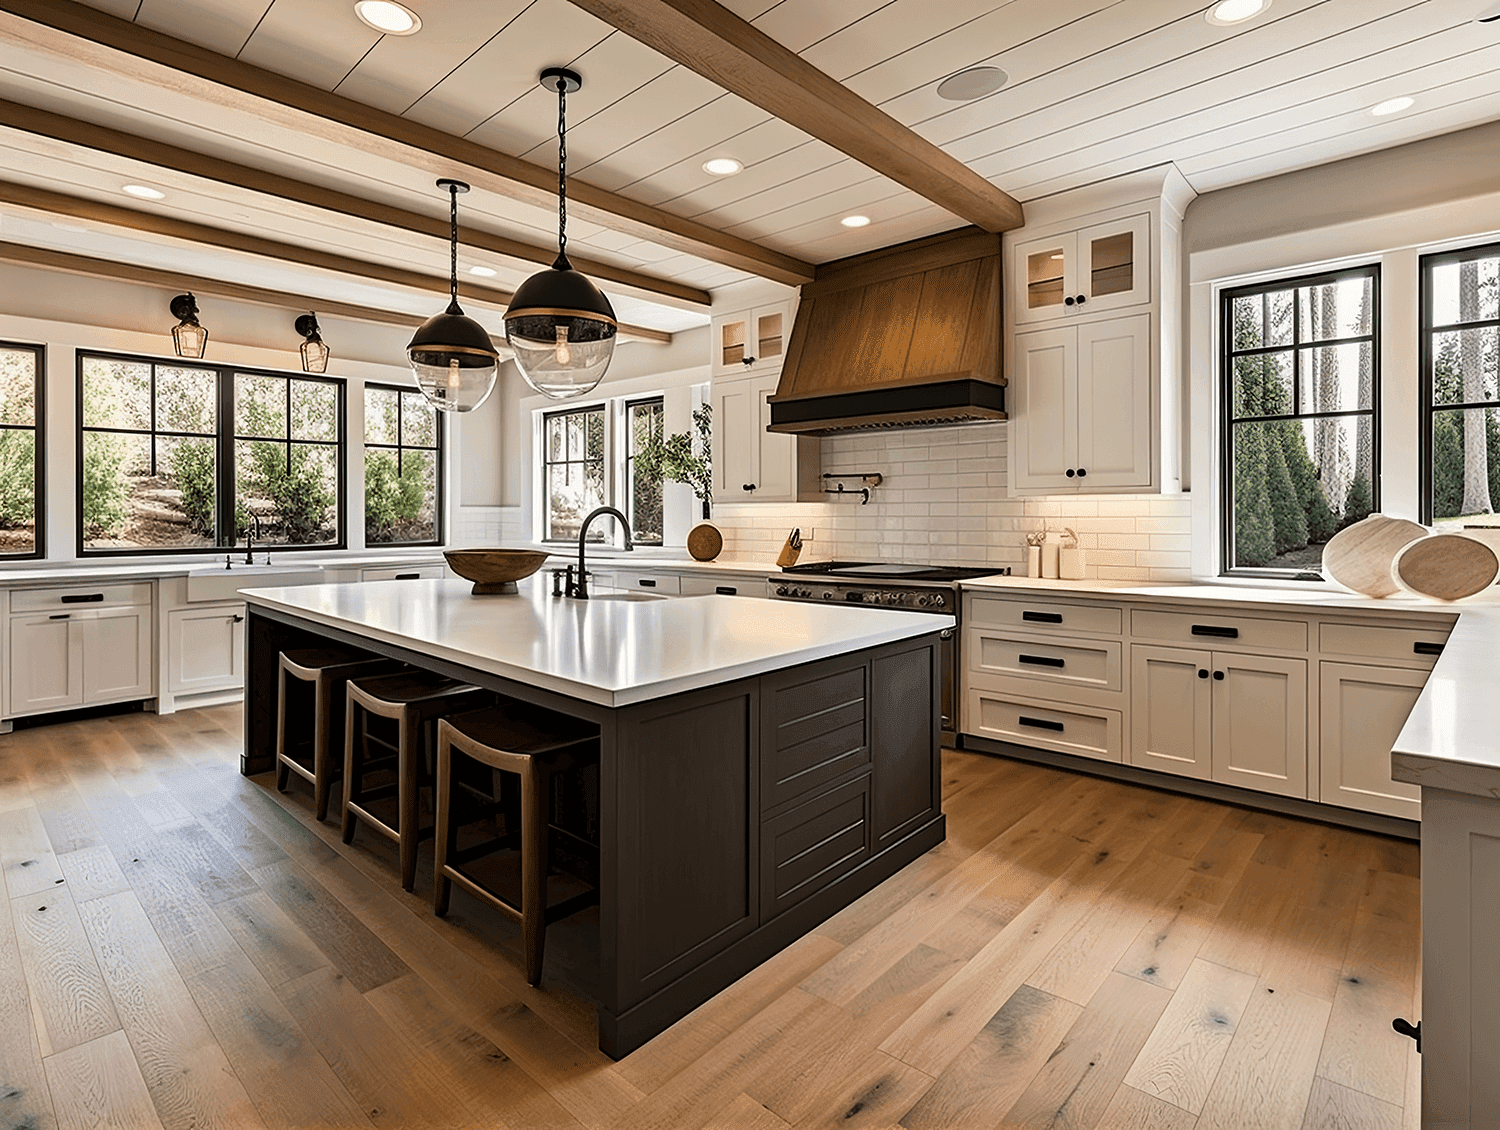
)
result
[(609, 652), (138, 569)]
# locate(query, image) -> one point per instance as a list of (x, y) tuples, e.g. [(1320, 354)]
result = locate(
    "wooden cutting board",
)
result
[(1446, 567), (704, 542), (1359, 556)]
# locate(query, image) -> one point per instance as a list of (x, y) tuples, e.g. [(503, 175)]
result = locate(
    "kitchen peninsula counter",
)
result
[(762, 763)]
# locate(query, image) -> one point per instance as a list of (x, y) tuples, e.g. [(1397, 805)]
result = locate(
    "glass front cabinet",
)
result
[(1102, 267), (751, 341)]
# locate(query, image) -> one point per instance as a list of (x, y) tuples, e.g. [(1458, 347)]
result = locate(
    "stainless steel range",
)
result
[(920, 588)]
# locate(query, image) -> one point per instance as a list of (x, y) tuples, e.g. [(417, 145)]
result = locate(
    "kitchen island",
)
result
[(762, 763)]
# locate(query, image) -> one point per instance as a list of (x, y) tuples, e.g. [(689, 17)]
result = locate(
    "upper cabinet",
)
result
[(1093, 339), (751, 341), (1101, 267), (751, 463)]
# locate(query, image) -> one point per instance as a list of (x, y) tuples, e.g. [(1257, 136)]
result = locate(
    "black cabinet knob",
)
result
[(1407, 1028), (747, 361), (1202, 674), (1082, 472), (1068, 301), (748, 486), (1070, 472), (1082, 299), (1219, 675)]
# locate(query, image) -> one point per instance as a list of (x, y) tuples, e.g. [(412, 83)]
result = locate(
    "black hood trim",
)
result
[(937, 403)]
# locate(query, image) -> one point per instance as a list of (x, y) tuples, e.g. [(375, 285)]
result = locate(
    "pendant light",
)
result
[(559, 324), (314, 351), (188, 337), (454, 359)]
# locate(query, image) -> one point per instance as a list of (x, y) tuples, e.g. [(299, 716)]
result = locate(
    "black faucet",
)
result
[(249, 544), (579, 589)]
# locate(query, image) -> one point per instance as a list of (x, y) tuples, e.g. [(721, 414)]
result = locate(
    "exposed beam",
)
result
[(113, 215), (102, 139), (118, 46), (708, 38)]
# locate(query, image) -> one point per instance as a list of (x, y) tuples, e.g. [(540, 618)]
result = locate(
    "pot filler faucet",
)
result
[(579, 589)]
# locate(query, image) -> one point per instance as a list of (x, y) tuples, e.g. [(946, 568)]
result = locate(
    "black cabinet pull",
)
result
[(60, 616), (1219, 675), (1407, 1028), (1040, 660), (236, 619), (82, 598), (1216, 631), (1082, 473), (1422, 647), (1042, 617), (726, 590), (1040, 723), (408, 576), (747, 361), (1202, 674), (748, 486), (1070, 472), (646, 582)]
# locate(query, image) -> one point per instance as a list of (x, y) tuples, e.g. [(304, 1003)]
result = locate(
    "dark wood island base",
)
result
[(733, 818)]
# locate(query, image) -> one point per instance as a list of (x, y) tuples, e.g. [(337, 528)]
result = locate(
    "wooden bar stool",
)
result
[(414, 700), (327, 670), (533, 744)]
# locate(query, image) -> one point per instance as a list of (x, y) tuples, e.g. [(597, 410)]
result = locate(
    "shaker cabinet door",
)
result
[(1044, 405), (1114, 404), (1171, 710), (46, 663), (1260, 723), (1362, 711)]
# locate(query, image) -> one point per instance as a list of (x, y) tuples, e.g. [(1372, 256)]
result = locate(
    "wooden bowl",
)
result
[(495, 571)]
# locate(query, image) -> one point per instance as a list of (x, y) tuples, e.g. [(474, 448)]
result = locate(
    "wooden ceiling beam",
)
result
[(118, 46), (708, 38), (102, 139)]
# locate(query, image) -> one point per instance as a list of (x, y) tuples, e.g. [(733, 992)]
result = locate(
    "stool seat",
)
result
[(414, 700), (327, 669), (533, 744)]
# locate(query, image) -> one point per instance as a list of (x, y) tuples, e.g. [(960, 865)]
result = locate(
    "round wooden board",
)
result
[(704, 542), (1359, 556), (1446, 567)]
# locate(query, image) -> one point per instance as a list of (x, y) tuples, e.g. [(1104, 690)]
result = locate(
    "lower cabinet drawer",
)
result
[(1072, 663), (666, 583), (1209, 629), (1086, 731), (808, 847), (80, 597), (1373, 641), (722, 586), (1045, 615)]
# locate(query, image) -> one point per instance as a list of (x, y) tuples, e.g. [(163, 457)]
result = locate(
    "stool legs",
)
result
[(445, 844), (323, 708), (534, 868), (354, 732), (411, 757), (283, 772)]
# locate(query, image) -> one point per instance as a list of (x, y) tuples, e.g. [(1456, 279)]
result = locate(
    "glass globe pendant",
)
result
[(451, 354), (560, 325)]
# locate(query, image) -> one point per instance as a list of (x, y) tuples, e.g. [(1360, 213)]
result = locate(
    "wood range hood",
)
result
[(904, 337)]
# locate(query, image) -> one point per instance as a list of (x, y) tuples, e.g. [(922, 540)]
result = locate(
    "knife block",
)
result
[(788, 555)]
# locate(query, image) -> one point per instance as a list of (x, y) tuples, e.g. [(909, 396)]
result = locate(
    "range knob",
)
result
[(782, 590), (828, 596)]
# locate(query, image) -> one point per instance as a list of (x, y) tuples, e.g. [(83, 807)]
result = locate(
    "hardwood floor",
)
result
[(188, 948)]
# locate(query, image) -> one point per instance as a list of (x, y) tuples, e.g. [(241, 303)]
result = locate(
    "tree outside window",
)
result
[(287, 454), (643, 425), (573, 471), (1301, 439), (403, 460), (1461, 386), (20, 470)]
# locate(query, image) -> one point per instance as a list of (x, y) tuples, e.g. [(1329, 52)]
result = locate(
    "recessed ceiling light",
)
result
[(855, 221), (388, 17), (976, 82), (1392, 106), (1228, 12), (722, 167), (144, 192), (484, 272)]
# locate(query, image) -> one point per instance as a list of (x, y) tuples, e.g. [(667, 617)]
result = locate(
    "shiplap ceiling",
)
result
[(1097, 88)]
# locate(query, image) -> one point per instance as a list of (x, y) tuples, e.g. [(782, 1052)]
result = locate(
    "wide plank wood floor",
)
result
[(186, 948)]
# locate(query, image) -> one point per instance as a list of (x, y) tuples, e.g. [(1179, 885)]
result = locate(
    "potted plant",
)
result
[(673, 458)]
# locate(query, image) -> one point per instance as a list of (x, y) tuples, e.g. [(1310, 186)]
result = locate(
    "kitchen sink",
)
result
[(219, 583)]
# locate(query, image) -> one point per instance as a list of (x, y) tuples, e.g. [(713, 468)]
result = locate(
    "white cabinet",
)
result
[(1082, 403), (748, 341), (1104, 266), (78, 658), (46, 663), (428, 572), (738, 584), (1235, 719), (1363, 709), (206, 648), (750, 463)]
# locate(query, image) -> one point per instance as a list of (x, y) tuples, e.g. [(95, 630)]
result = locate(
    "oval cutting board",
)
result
[(1359, 556), (1446, 567)]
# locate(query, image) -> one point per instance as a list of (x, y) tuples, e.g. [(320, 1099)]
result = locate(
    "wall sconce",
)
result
[(188, 337), (314, 352)]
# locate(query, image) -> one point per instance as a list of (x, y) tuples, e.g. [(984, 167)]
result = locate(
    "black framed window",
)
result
[(403, 467), (573, 471), (644, 421), (1300, 390), (1460, 386), (22, 369), (179, 457)]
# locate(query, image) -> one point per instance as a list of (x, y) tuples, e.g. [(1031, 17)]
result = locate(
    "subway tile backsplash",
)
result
[(944, 499)]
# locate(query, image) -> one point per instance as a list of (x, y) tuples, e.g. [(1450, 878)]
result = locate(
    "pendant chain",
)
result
[(562, 166), (453, 242)]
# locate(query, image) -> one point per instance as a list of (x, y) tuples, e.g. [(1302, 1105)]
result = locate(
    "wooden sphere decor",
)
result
[(1359, 556), (495, 571), (1446, 567), (704, 542)]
